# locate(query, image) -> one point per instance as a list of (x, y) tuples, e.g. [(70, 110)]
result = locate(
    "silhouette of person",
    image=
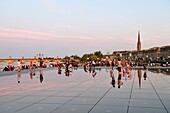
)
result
[(19, 65), (41, 63), (31, 65)]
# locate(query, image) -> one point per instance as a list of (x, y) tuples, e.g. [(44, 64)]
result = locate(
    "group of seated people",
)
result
[(9, 68), (12, 68)]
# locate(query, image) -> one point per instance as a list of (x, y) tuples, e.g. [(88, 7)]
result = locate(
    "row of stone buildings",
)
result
[(156, 53), (151, 54)]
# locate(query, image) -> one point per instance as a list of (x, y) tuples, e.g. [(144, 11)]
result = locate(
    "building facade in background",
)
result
[(154, 54)]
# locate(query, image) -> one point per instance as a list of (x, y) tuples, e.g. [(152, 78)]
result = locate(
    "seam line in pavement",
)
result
[(131, 92), (158, 95), (71, 98), (100, 99)]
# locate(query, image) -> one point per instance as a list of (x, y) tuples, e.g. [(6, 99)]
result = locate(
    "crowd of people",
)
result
[(90, 67), (9, 68), (124, 70), (122, 67)]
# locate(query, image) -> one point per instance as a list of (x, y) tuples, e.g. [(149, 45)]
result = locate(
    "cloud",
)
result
[(20, 35), (10, 33)]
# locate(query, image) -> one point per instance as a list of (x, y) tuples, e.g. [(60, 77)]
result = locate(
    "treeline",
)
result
[(87, 57)]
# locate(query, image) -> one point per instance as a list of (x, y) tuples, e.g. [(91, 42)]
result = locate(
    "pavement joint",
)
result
[(158, 95), (84, 94)]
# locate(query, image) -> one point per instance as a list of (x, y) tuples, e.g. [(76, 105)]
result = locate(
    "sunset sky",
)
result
[(69, 27)]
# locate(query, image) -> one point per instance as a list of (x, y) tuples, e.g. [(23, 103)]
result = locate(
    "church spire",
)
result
[(138, 43), (138, 36)]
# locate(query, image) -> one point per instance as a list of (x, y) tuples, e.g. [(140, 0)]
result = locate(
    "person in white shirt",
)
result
[(19, 65)]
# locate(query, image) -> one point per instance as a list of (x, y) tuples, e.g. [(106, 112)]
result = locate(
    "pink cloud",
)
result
[(28, 34)]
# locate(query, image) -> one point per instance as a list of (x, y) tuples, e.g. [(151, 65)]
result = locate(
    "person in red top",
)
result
[(9, 68), (123, 63), (30, 64)]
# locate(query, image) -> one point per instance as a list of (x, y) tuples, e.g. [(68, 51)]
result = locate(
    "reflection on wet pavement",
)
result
[(53, 91)]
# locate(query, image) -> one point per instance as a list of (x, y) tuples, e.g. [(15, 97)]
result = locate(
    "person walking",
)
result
[(19, 65)]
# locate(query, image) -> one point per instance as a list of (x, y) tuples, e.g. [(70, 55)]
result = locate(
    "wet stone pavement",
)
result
[(83, 93)]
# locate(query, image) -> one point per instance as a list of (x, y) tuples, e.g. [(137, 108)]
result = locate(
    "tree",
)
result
[(98, 54), (85, 57), (66, 57), (75, 57), (93, 57)]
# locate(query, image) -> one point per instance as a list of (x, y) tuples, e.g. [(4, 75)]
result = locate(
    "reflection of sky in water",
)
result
[(165, 71), (3, 64), (51, 76), (82, 88)]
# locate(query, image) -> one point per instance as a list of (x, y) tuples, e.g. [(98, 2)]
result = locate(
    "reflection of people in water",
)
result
[(93, 69), (113, 82), (41, 75), (19, 77), (90, 67), (119, 81), (59, 69), (128, 70), (85, 68), (139, 77), (144, 75), (70, 69), (31, 75), (120, 72), (67, 68), (145, 70)]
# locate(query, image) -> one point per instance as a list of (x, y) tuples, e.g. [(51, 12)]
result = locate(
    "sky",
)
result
[(76, 27)]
